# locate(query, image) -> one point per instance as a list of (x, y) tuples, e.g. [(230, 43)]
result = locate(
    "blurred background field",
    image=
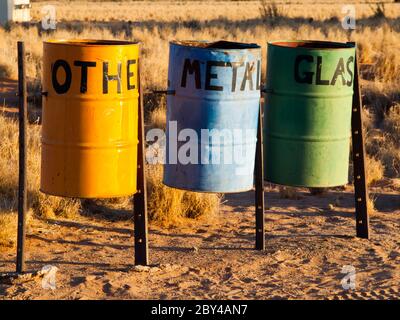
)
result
[(154, 24)]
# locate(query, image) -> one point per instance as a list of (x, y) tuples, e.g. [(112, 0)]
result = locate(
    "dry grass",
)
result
[(43, 206), (289, 193), (8, 227), (383, 142), (49, 207), (172, 207), (390, 153), (158, 117), (392, 123), (375, 170), (167, 206), (371, 204), (155, 24)]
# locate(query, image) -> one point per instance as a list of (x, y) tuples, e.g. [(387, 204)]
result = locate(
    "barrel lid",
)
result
[(90, 42), (312, 44), (216, 45)]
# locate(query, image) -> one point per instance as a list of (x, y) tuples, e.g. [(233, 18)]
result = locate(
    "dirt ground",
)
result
[(308, 242)]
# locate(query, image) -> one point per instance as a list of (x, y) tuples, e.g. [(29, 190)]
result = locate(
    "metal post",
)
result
[(140, 198), (22, 184), (359, 165), (259, 184)]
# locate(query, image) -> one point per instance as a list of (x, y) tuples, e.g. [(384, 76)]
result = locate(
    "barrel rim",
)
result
[(319, 44), (219, 45), (90, 42)]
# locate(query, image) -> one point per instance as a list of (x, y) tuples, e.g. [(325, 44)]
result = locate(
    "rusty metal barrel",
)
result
[(308, 113), (90, 118), (212, 116)]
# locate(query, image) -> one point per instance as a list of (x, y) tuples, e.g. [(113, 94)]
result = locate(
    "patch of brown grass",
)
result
[(50, 207), (8, 228), (371, 204), (389, 151), (158, 117), (392, 123), (390, 155), (383, 144), (172, 207), (289, 193), (43, 206), (161, 22), (375, 170)]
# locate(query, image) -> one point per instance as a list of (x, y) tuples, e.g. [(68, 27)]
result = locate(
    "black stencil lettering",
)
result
[(210, 75), (61, 88), (248, 76), (258, 74), (308, 76), (319, 81), (84, 72), (350, 82), (130, 74), (107, 77), (191, 68), (339, 72), (235, 66)]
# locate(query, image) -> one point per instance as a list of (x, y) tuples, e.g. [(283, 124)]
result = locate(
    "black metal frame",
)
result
[(359, 160), (22, 181), (359, 168), (259, 184), (140, 198)]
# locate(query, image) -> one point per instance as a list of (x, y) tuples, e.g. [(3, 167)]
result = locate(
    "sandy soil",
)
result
[(309, 240)]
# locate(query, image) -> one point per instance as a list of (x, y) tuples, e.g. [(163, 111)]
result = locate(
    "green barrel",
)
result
[(308, 109)]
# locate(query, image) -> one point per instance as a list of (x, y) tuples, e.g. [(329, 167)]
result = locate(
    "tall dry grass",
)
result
[(172, 207), (155, 23), (41, 205)]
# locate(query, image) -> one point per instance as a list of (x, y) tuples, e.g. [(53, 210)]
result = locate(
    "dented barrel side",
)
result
[(212, 117), (90, 118), (308, 113)]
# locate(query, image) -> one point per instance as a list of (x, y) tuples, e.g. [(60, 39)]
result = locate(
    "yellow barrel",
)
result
[(90, 118)]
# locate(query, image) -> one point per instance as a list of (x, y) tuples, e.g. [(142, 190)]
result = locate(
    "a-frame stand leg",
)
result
[(22, 188), (140, 198), (359, 159), (259, 185)]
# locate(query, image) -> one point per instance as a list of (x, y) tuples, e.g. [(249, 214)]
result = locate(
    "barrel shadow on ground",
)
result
[(79, 225), (273, 240), (177, 234), (100, 211), (32, 265), (386, 203), (85, 243), (99, 265), (242, 202), (208, 248)]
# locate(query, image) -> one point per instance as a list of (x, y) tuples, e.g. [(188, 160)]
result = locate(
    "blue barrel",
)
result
[(212, 115)]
